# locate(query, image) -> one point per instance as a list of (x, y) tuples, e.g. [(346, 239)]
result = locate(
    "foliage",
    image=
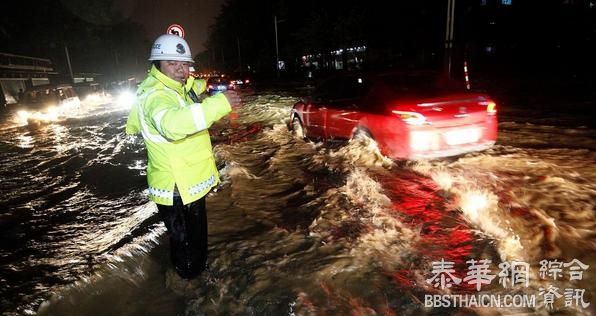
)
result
[(309, 26), (99, 40)]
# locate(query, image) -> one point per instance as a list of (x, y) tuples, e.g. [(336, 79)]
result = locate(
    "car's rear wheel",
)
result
[(297, 129)]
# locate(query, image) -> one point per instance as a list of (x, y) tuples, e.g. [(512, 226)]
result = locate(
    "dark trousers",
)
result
[(187, 227)]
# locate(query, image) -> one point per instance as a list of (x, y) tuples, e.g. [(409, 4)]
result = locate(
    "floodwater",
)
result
[(296, 228)]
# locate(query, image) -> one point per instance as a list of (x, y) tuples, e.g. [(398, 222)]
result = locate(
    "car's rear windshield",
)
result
[(420, 85), (343, 87)]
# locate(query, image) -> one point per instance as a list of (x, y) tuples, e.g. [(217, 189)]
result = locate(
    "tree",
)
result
[(99, 40)]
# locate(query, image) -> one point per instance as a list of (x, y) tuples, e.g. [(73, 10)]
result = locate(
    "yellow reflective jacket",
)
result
[(175, 132)]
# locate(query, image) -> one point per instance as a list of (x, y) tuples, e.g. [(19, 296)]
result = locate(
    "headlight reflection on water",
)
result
[(49, 115), (474, 204), (480, 206)]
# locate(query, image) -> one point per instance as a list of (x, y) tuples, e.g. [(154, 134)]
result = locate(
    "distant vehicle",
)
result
[(217, 84), (90, 92), (240, 80), (50, 95), (414, 115), (48, 103)]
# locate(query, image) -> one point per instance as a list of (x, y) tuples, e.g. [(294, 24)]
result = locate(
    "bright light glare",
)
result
[(23, 115), (462, 136), (49, 115), (93, 98), (52, 113), (69, 105), (424, 140), (125, 99)]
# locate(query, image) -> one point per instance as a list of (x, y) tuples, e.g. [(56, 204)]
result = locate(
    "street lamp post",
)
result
[(69, 65)]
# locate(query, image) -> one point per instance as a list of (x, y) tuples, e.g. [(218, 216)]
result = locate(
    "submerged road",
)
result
[(297, 227)]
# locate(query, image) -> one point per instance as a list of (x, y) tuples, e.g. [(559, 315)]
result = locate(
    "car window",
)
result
[(343, 88), (420, 85), (66, 93), (41, 96)]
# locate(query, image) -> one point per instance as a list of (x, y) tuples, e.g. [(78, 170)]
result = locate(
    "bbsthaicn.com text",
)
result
[(480, 300)]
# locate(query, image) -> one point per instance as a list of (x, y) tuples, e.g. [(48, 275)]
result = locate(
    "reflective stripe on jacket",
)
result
[(175, 132)]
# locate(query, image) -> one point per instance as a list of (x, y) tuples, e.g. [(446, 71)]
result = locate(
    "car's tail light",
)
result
[(412, 118), (210, 86), (246, 81)]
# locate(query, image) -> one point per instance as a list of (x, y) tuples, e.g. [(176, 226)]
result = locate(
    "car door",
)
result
[(344, 112), (314, 118), (315, 111)]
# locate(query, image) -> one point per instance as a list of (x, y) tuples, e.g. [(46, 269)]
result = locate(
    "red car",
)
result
[(410, 115)]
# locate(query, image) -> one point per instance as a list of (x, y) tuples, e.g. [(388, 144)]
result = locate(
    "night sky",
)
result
[(194, 16), (156, 15)]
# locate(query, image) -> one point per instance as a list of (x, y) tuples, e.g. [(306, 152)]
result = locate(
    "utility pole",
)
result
[(275, 22), (69, 65), (449, 36)]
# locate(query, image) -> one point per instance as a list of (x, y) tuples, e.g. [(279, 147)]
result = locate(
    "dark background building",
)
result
[(519, 36)]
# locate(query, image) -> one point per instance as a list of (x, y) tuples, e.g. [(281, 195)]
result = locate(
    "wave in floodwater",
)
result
[(70, 195), (296, 227), (534, 204)]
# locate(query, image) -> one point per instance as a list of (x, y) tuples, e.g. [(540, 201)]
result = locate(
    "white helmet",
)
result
[(170, 47)]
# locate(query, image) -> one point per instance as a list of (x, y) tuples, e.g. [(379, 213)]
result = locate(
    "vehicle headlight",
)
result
[(52, 113), (125, 99), (23, 115), (93, 98)]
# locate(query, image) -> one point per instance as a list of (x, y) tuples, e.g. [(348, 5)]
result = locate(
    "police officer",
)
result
[(181, 168)]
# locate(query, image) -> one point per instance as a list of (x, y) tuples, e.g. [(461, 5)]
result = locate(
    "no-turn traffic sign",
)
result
[(175, 29)]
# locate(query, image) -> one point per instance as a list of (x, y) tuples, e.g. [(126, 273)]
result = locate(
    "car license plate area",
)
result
[(221, 87), (462, 136)]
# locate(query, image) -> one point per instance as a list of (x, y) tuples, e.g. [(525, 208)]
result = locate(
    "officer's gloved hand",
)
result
[(233, 97)]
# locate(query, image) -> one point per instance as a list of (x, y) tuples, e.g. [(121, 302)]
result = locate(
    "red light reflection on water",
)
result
[(236, 134), (419, 204)]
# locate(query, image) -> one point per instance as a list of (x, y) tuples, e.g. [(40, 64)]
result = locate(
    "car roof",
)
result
[(382, 73)]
